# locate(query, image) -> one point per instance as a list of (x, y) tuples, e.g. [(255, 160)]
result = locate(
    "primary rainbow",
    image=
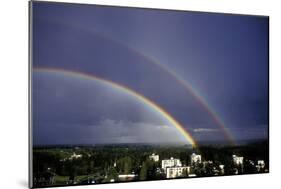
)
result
[(202, 101), (129, 91), (179, 79), (190, 89)]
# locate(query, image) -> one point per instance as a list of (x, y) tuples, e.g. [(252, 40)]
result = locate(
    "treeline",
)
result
[(54, 165)]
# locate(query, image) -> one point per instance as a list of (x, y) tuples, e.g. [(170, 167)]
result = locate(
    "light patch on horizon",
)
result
[(124, 131), (200, 130)]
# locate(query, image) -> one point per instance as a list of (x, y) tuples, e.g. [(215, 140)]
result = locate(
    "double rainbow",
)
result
[(179, 79)]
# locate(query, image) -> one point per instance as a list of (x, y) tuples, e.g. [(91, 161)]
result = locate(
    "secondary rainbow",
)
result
[(190, 89), (202, 101), (128, 91)]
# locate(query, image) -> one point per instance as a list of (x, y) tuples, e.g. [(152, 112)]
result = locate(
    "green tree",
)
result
[(143, 171), (111, 174), (127, 165)]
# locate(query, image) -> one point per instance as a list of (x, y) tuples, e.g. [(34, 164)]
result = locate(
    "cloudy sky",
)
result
[(223, 57)]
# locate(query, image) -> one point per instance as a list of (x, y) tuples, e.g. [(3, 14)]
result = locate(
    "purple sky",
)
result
[(224, 57)]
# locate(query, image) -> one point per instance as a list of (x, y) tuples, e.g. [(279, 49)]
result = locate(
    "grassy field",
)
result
[(61, 179), (64, 179)]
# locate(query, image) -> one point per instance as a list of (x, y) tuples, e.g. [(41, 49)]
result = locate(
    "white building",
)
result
[(221, 168), (261, 163), (237, 160), (127, 177), (75, 156), (192, 175), (173, 172), (154, 157), (170, 163), (195, 158)]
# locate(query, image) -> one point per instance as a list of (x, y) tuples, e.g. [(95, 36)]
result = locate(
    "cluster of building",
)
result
[(174, 168), (73, 156), (237, 160)]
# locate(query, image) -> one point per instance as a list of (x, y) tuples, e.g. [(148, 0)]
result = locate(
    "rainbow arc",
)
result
[(187, 136)]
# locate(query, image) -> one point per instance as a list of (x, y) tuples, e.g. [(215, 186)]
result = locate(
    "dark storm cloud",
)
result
[(73, 111), (74, 100), (90, 53), (223, 56)]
